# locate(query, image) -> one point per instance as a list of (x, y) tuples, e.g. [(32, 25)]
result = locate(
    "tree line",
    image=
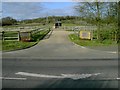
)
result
[(8, 21), (42, 20), (103, 12)]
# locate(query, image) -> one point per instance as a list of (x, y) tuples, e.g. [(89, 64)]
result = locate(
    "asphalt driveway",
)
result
[(59, 46)]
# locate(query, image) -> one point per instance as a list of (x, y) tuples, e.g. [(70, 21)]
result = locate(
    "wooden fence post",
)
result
[(3, 35), (30, 35), (18, 35)]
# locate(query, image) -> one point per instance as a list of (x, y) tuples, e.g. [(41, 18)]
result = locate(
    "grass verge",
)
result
[(16, 45), (74, 38)]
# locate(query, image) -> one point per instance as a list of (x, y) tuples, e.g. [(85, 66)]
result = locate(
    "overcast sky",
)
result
[(29, 10)]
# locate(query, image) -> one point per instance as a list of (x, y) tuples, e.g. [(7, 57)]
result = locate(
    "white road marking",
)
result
[(108, 79), (37, 75), (72, 76), (78, 76), (79, 45), (82, 47), (112, 52), (118, 78), (10, 78)]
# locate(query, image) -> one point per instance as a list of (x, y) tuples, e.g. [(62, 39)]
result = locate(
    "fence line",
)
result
[(77, 28), (106, 32), (17, 34), (11, 38), (0, 35)]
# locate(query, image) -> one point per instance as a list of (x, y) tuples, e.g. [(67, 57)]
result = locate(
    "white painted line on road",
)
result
[(79, 45), (37, 75), (110, 79), (82, 47), (112, 52), (10, 78), (106, 79), (118, 78), (78, 76), (72, 76)]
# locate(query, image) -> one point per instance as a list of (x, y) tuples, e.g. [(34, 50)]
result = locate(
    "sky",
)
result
[(30, 10), (59, 0)]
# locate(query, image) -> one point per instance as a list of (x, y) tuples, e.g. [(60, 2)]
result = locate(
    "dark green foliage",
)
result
[(8, 21), (15, 45), (39, 35), (118, 23), (10, 34)]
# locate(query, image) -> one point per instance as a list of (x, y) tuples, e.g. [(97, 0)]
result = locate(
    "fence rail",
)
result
[(17, 34), (0, 35), (77, 28), (105, 32)]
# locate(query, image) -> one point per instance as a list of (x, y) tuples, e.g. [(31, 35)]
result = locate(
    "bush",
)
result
[(8, 21)]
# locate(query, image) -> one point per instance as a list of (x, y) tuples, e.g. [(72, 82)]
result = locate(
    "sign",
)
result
[(25, 36), (85, 35)]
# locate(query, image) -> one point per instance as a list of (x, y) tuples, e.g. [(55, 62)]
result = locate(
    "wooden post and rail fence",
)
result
[(19, 35), (89, 32)]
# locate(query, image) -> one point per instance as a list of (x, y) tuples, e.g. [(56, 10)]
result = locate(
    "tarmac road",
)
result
[(59, 46), (38, 73), (56, 62)]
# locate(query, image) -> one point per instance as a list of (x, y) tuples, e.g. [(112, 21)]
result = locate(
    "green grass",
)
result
[(11, 34), (74, 38), (17, 45), (39, 35)]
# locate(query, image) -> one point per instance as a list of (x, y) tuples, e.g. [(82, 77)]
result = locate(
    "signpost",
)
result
[(25, 36), (85, 35)]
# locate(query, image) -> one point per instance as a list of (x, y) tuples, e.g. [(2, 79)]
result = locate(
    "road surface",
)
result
[(36, 73), (59, 46), (56, 62)]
